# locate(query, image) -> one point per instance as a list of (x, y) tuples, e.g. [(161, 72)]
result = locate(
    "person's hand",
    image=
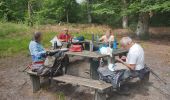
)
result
[(123, 57), (119, 60)]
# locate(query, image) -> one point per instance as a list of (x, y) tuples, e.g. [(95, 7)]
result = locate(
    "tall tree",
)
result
[(89, 8), (143, 7), (125, 17)]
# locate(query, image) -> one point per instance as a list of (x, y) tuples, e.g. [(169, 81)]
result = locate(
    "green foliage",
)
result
[(13, 38), (53, 11)]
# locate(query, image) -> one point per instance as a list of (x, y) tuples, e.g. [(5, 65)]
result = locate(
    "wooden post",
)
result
[(99, 96), (35, 83)]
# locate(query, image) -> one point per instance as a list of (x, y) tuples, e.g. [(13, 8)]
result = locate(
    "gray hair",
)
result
[(125, 41)]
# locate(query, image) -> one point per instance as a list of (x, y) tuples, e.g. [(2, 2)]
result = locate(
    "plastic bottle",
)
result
[(97, 38), (55, 45), (91, 43), (115, 42), (91, 46)]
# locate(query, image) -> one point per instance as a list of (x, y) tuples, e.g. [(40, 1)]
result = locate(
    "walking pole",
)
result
[(156, 76)]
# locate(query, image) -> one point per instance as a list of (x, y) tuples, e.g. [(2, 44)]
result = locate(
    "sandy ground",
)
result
[(16, 85)]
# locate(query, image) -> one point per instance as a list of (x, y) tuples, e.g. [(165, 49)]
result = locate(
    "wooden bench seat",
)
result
[(99, 86), (96, 84)]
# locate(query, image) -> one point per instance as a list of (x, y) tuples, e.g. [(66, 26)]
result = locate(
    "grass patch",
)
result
[(12, 29), (13, 38), (60, 96)]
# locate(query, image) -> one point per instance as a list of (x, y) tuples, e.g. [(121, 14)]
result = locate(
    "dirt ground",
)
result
[(16, 85)]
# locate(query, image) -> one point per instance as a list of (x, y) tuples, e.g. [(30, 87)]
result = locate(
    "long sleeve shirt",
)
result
[(37, 51)]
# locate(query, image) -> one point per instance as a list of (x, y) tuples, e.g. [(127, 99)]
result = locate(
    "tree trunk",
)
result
[(142, 30), (30, 21), (89, 11), (125, 22), (67, 16), (125, 17)]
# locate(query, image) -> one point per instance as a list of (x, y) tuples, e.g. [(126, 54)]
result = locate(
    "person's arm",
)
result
[(130, 66), (101, 39), (112, 38)]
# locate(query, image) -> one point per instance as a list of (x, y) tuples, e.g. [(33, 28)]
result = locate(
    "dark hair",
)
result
[(37, 35)]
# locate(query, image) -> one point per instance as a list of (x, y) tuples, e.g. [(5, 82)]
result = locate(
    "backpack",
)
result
[(80, 38), (53, 66), (116, 78)]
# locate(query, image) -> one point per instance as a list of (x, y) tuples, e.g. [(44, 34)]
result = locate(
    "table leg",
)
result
[(35, 83), (94, 64), (99, 96), (111, 60)]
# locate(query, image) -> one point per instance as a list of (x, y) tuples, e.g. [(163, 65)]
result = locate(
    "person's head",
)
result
[(37, 36), (108, 33), (66, 30), (126, 42)]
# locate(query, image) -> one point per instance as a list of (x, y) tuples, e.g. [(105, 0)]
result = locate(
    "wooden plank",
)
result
[(96, 84), (86, 53)]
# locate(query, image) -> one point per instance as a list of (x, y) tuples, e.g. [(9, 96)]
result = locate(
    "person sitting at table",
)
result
[(108, 37), (134, 59), (37, 51), (64, 36), (39, 54), (133, 63)]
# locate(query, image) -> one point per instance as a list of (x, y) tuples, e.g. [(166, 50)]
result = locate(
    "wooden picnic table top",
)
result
[(96, 54), (86, 53)]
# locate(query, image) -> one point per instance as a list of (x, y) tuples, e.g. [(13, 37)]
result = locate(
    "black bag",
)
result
[(58, 67), (116, 78)]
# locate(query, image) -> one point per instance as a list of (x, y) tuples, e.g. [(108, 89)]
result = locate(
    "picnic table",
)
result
[(94, 59), (99, 86)]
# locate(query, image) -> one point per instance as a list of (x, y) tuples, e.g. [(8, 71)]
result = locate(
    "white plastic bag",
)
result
[(106, 51), (55, 39)]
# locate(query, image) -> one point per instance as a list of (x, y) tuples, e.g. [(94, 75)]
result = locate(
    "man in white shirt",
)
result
[(134, 59), (135, 56)]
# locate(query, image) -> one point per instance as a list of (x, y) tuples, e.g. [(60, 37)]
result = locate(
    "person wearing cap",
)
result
[(64, 36)]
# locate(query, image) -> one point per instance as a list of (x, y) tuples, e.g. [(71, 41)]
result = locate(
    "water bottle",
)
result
[(91, 46), (55, 45), (97, 38), (92, 37), (115, 42)]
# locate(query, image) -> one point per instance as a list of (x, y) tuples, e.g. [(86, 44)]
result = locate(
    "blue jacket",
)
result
[(37, 51)]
